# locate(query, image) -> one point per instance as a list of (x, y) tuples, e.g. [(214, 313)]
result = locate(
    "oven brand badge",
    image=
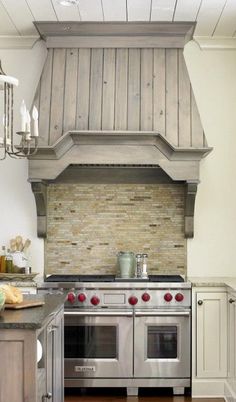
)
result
[(85, 369)]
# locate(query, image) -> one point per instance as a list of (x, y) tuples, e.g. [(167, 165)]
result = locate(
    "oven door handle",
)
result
[(162, 313), (99, 313)]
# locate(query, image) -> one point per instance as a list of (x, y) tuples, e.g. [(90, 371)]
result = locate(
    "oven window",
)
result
[(91, 342), (162, 342)]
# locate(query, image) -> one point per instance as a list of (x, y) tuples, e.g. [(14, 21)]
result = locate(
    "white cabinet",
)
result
[(232, 341), (211, 334)]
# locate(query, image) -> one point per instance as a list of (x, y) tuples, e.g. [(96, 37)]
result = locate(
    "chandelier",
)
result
[(28, 143)]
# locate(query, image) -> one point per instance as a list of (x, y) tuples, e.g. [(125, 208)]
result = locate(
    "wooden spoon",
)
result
[(26, 245), (12, 245), (19, 243)]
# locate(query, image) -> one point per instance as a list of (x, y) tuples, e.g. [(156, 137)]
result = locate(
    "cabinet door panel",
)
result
[(211, 335)]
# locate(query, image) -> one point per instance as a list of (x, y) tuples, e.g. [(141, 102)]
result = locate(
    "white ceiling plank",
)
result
[(138, 10), (6, 25), (227, 23), (42, 10), (91, 10), (63, 13), (114, 10), (187, 10), (208, 17), (20, 15), (163, 10)]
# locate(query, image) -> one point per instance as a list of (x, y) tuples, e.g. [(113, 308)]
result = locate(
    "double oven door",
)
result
[(98, 344), (162, 344), (127, 344)]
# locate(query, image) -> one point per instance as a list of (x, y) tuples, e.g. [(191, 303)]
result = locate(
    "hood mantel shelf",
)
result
[(116, 148)]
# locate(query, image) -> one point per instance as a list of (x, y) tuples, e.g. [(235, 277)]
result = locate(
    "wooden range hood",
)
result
[(104, 105)]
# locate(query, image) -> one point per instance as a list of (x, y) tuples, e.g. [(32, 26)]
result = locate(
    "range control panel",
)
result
[(128, 298)]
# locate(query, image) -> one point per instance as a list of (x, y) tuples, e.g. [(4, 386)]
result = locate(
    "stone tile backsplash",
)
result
[(89, 223)]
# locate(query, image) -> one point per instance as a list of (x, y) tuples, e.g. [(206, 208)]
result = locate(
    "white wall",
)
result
[(17, 205), (213, 76)]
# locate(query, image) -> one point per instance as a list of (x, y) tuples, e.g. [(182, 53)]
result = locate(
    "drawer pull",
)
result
[(48, 395), (231, 300)]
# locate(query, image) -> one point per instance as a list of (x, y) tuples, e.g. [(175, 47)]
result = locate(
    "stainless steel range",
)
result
[(126, 333)]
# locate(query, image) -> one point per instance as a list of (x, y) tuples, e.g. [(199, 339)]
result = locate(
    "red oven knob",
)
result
[(133, 300), (81, 297), (146, 297), (168, 297), (95, 300), (179, 297), (71, 297)]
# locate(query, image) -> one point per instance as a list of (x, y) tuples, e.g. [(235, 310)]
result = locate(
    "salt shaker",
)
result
[(144, 269)]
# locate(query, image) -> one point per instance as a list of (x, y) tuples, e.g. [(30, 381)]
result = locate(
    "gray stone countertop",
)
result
[(213, 281), (20, 284), (34, 317)]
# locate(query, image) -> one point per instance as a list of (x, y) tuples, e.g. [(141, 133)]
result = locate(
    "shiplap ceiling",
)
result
[(216, 19)]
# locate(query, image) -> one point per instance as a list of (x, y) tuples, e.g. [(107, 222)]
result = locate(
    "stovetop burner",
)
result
[(112, 278)]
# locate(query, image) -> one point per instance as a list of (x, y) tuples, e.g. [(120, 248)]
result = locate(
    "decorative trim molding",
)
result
[(115, 34), (40, 193), (18, 42), (116, 148), (146, 42), (215, 43)]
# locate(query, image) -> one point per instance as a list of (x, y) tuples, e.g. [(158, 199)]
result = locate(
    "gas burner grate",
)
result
[(80, 278), (166, 278)]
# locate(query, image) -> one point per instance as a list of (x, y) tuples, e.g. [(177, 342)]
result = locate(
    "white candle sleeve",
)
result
[(23, 112), (35, 116)]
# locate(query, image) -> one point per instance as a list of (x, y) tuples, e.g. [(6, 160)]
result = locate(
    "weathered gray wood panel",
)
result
[(96, 76), (159, 91), (118, 89), (121, 90), (134, 90), (172, 96), (197, 134), (45, 100), (70, 89), (146, 89), (108, 90), (57, 95), (83, 89), (184, 103)]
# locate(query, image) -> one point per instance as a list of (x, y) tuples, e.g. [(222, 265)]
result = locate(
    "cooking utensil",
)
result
[(26, 245), (19, 243), (13, 245)]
